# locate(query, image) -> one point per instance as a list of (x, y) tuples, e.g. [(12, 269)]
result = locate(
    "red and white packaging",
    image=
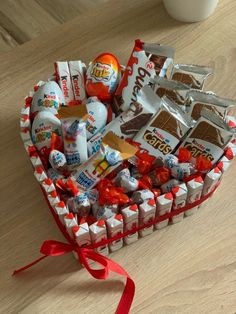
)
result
[(64, 80), (40, 174), (232, 146), (130, 215), (224, 164), (180, 193), (25, 121), (164, 204), (53, 198), (25, 135), (77, 73), (211, 179), (98, 232), (147, 212), (48, 185), (61, 210), (70, 222), (82, 235), (194, 187), (115, 225)]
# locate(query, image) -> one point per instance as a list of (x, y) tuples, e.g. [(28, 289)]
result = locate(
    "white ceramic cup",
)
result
[(190, 10)]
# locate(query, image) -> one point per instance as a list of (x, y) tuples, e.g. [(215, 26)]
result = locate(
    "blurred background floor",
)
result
[(23, 20)]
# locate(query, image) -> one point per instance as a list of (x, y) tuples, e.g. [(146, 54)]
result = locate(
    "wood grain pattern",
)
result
[(186, 268)]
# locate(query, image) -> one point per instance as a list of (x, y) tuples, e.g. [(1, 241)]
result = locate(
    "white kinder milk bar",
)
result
[(180, 196), (64, 80), (77, 72), (98, 232), (147, 212), (211, 179), (61, 210), (130, 216), (82, 235), (223, 164), (70, 222), (164, 204), (194, 187), (115, 226)]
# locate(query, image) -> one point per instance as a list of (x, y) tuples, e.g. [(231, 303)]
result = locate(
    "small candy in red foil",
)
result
[(144, 162), (156, 192), (184, 155), (160, 176), (229, 153), (145, 182), (203, 164)]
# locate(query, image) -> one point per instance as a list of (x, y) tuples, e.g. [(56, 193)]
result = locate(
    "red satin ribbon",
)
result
[(55, 248)]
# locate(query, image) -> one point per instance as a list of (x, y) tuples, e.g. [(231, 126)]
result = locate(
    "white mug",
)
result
[(190, 10)]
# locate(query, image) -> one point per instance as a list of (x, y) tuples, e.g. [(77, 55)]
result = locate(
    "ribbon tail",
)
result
[(29, 265)]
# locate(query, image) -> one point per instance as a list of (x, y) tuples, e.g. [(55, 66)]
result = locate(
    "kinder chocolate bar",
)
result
[(40, 174), (180, 193), (162, 134), (48, 185), (197, 100), (53, 198), (70, 222), (147, 212), (164, 204), (211, 179), (82, 235), (112, 152), (146, 61), (115, 226), (130, 216), (223, 164), (175, 91), (194, 187), (192, 75), (209, 137), (128, 123), (61, 210), (98, 232), (77, 73), (64, 80)]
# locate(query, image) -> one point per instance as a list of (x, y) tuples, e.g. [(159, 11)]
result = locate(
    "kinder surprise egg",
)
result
[(48, 97), (43, 125), (97, 116), (103, 76)]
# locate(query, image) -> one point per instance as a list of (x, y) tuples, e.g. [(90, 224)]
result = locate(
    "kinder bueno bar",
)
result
[(194, 187), (147, 212), (211, 179), (146, 61), (209, 137), (165, 130), (130, 216), (48, 185), (164, 204), (64, 80), (192, 75), (98, 232), (197, 100), (128, 123), (141, 196), (112, 152), (82, 235), (175, 91), (115, 226), (223, 164), (40, 174), (61, 210), (180, 196), (70, 222), (53, 198), (77, 73)]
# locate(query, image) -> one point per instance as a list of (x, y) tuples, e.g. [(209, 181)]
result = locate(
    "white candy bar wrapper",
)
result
[(25, 135), (115, 226), (211, 179), (147, 212), (224, 164), (61, 210), (98, 232), (70, 222), (40, 174), (130, 215), (180, 193), (82, 235), (194, 187), (77, 72), (36, 161), (164, 204), (53, 198), (64, 80), (48, 185), (25, 111), (25, 121), (233, 148)]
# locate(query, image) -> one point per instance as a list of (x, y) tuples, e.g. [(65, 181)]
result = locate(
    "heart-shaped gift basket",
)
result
[(121, 152)]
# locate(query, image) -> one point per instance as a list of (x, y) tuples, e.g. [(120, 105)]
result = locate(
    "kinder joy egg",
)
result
[(103, 76), (44, 124), (97, 117), (48, 97)]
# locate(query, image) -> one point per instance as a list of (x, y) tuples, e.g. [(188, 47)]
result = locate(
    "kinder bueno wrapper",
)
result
[(98, 232), (197, 100), (130, 215), (77, 73), (180, 193), (48, 97), (192, 75), (103, 76), (194, 187), (115, 226), (164, 204), (141, 196), (162, 134), (146, 61), (128, 123), (64, 80), (147, 212), (112, 152), (208, 138), (211, 179)]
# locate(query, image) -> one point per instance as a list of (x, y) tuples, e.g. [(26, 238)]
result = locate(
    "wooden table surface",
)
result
[(186, 268)]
